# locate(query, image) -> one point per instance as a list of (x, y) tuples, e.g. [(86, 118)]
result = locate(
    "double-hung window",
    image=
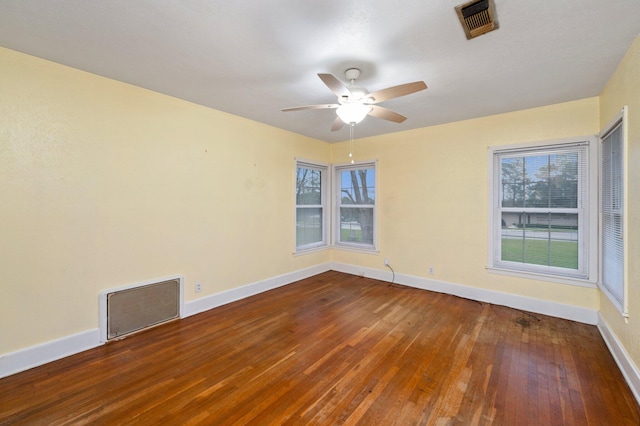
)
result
[(540, 210), (355, 199), (311, 205), (612, 279)]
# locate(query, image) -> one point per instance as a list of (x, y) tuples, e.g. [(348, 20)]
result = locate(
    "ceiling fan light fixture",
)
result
[(353, 112)]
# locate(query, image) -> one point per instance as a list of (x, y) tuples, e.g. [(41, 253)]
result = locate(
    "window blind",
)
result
[(612, 204)]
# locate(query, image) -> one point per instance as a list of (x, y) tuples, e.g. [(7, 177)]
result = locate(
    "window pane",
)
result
[(612, 172), (549, 239), (536, 180), (563, 180), (540, 181), (612, 218), (308, 186), (613, 255), (308, 225), (356, 225), (512, 182), (357, 186)]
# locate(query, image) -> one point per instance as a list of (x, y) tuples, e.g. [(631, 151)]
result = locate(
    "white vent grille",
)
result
[(137, 307)]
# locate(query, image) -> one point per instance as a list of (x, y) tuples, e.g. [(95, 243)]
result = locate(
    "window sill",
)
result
[(614, 302), (543, 277), (356, 248), (316, 249)]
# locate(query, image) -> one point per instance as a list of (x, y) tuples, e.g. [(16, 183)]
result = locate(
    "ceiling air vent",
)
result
[(477, 17)]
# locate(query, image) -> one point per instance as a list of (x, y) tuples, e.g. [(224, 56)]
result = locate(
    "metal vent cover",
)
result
[(134, 309), (477, 17)]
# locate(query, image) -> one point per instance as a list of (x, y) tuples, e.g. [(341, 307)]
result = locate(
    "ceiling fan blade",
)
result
[(386, 114), (337, 124), (334, 85), (321, 106), (396, 91)]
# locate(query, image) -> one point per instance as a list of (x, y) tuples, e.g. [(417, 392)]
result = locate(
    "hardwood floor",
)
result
[(336, 349)]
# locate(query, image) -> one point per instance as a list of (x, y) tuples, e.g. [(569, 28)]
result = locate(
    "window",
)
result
[(612, 214), (540, 210), (356, 206), (311, 201)]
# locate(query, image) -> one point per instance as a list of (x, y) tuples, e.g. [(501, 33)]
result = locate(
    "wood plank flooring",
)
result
[(336, 349)]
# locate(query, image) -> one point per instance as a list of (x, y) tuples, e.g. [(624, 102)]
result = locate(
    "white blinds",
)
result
[(612, 204)]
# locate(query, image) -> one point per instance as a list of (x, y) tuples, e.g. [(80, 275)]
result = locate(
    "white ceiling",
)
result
[(252, 58)]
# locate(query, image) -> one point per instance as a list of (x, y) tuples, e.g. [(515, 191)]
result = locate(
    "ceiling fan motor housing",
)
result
[(352, 74), (357, 92)]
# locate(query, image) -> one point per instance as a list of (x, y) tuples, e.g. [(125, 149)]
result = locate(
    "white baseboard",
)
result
[(34, 356), (219, 299), (622, 358), (554, 309)]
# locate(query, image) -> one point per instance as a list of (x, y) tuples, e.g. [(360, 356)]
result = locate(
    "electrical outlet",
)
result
[(386, 261), (198, 287), (431, 270)]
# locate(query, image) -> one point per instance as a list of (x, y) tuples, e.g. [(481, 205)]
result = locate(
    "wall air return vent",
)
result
[(477, 17), (132, 308)]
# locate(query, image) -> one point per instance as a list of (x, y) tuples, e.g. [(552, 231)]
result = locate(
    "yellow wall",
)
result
[(433, 195), (104, 184), (624, 89)]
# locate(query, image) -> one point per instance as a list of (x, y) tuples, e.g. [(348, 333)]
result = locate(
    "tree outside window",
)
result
[(356, 185)]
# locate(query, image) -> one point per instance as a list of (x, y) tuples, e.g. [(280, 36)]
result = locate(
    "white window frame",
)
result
[(586, 275), (619, 120), (325, 189), (337, 202)]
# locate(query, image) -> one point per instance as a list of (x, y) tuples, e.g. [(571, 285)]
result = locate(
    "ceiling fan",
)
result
[(355, 102)]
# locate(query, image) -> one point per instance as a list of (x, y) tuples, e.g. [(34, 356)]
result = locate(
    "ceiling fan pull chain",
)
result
[(351, 126)]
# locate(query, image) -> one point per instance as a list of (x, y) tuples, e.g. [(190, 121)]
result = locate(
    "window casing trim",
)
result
[(336, 223), (588, 218), (621, 120), (325, 189)]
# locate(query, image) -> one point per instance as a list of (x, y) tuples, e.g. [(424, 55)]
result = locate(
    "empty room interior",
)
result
[(361, 212)]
